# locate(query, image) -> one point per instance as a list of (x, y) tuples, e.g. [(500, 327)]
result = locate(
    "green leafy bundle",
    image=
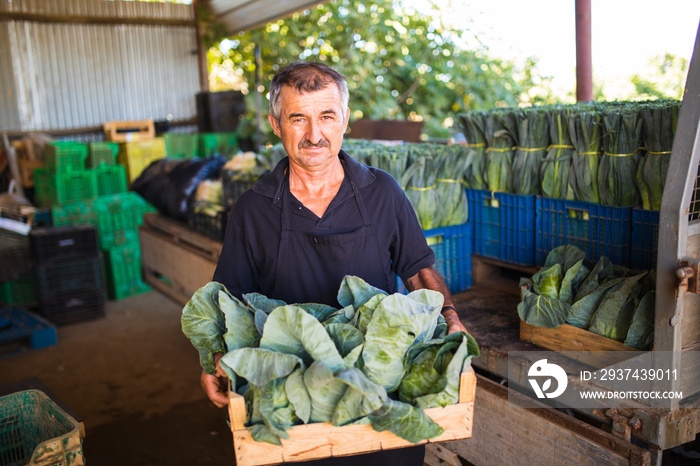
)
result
[(533, 140), (556, 166), (472, 124), (585, 132), (608, 300), (432, 175), (421, 187), (622, 152), (500, 126), (659, 121), (453, 164), (380, 359)]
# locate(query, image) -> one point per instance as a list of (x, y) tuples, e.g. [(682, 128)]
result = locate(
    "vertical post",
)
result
[(258, 95), (584, 67), (201, 53)]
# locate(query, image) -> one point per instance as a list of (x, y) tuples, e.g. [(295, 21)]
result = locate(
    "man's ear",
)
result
[(275, 124)]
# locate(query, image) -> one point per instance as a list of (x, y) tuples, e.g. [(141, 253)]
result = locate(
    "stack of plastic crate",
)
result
[(116, 218), (68, 273), (110, 177), (64, 179), (17, 285)]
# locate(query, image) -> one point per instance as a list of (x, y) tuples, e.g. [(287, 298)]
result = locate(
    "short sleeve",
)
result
[(410, 251)]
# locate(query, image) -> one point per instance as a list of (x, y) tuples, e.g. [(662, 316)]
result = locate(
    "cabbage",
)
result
[(367, 362)]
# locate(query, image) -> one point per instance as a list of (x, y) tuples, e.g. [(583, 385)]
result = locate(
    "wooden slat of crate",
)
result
[(171, 268), (591, 348), (322, 439), (510, 428), (181, 234)]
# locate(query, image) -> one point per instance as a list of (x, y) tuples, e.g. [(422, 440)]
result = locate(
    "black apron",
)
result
[(311, 267)]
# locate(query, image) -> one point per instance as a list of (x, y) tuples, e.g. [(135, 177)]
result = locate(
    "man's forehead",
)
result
[(328, 97)]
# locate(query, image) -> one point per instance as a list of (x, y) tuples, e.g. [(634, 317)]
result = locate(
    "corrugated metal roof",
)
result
[(62, 75), (241, 15)]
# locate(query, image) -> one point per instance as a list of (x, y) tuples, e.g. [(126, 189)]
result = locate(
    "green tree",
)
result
[(668, 81), (399, 64)]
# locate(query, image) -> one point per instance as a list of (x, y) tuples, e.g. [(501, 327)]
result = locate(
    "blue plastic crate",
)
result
[(453, 256), (504, 226), (21, 330), (598, 230), (645, 237)]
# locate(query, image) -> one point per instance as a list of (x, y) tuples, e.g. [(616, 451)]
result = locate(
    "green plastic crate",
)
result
[(181, 145), (19, 292), (34, 430), (224, 144), (74, 213), (65, 156), (110, 179), (61, 188), (101, 154), (117, 218), (124, 277)]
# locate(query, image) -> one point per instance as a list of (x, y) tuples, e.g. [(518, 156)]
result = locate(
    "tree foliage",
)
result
[(667, 82), (399, 64)]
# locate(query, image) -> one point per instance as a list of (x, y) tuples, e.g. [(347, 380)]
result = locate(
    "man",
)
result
[(320, 215)]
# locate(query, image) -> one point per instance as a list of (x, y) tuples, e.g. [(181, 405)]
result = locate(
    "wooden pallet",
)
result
[(323, 440), (22, 331)]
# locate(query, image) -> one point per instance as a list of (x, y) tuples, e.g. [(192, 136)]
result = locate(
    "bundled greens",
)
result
[(556, 166), (585, 133), (500, 126), (432, 175), (472, 124), (533, 140), (380, 359), (609, 300), (659, 121), (622, 152), (421, 188)]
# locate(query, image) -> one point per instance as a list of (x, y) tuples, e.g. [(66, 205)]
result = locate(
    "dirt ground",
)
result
[(132, 377)]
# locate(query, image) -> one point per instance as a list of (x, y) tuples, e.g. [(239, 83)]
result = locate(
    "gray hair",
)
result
[(305, 77)]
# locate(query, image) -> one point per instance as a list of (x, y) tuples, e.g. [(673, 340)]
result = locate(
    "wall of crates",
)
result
[(84, 248)]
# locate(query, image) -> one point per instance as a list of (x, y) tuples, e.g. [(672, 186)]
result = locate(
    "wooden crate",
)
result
[(176, 260), (322, 440), (591, 348), (27, 161), (127, 131)]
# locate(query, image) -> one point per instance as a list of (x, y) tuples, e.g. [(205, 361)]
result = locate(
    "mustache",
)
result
[(323, 142)]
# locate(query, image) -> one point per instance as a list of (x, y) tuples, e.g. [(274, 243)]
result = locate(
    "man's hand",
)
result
[(216, 385), (453, 322)]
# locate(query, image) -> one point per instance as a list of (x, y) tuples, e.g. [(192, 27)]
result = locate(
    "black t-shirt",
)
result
[(250, 250)]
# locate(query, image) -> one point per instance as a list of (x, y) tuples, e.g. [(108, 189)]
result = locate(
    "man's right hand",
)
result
[(216, 385)]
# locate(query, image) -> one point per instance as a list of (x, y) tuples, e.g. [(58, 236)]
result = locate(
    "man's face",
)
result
[(311, 126)]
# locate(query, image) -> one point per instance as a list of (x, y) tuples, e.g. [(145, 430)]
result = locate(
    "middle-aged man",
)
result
[(321, 215)]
